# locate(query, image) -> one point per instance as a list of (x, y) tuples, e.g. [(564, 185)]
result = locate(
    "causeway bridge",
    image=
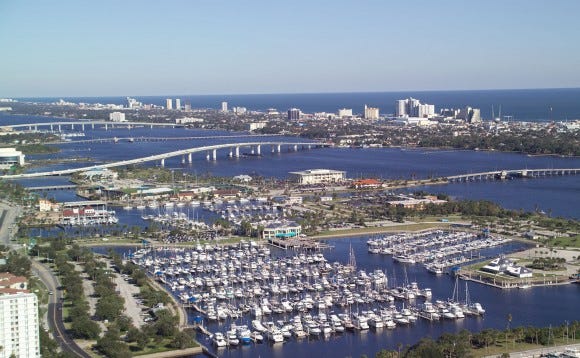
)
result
[(82, 125), (512, 173), (161, 139), (186, 155)]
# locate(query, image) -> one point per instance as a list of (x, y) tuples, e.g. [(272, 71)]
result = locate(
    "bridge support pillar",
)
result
[(36, 128), (309, 146), (189, 159), (51, 127), (258, 149), (29, 128), (214, 154), (231, 154), (295, 147), (106, 126), (163, 162), (83, 127), (237, 152), (92, 126), (72, 127), (183, 159), (207, 155), (151, 126), (59, 128), (279, 149)]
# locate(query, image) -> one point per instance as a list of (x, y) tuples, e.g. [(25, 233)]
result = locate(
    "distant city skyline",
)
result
[(179, 47)]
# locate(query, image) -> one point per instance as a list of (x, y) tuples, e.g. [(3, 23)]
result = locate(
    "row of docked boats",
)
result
[(246, 282), (436, 249)]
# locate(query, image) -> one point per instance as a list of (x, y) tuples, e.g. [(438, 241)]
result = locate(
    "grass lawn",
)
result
[(153, 347), (569, 242)]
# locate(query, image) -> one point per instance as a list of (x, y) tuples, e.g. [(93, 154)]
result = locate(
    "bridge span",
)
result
[(512, 173), (84, 124), (234, 152), (161, 139)]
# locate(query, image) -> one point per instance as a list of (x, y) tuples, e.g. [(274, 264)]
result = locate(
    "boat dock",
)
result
[(298, 244)]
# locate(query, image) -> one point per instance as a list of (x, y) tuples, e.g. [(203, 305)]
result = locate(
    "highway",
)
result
[(54, 314)]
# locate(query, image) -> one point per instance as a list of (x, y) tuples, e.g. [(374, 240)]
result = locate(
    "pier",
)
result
[(298, 244)]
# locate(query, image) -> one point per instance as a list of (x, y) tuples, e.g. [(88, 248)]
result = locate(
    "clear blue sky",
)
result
[(170, 47)]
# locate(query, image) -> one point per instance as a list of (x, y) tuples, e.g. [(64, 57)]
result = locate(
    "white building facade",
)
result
[(317, 176), (117, 117), (19, 325), (11, 156)]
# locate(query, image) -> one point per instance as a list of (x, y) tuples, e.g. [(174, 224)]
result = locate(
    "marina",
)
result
[(437, 250), (245, 294)]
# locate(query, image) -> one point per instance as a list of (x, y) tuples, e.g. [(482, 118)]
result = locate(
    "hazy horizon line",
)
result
[(293, 93)]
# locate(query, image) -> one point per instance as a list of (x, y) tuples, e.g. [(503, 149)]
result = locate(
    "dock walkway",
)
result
[(297, 244)]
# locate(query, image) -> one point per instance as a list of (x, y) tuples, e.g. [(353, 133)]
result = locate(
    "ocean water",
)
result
[(523, 104)]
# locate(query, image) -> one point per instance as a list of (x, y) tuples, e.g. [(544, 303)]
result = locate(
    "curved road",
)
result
[(54, 314)]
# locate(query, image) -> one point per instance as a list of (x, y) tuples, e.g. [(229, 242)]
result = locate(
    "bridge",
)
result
[(512, 173), (51, 187), (83, 124), (234, 152), (160, 139)]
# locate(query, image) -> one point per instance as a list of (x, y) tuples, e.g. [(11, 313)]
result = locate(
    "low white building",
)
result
[(11, 156), (117, 117), (19, 325), (281, 230), (316, 176)]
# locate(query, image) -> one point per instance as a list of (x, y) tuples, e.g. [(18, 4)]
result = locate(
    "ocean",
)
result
[(518, 104)]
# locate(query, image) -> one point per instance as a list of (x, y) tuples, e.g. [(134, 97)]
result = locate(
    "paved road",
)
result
[(538, 352), (54, 314), (8, 214)]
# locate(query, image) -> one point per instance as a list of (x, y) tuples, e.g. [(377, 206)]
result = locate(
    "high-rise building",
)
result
[(471, 115), (169, 103), (345, 112), (224, 106), (132, 103), (425, 110), (19, 325), (294, 114), (412, 107), (239, 110), (178, 104), (371, 112)]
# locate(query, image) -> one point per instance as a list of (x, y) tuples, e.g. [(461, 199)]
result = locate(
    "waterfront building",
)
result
[(316, 176), (168, 103), (11, 156), (283, 229), (412, 107), (18, 324), (178, 104), (345, 112), (240, 110), (371, 112), (187, 106), (224, 106), (294, 114), (132, 103), (256, 125), (470, 115), (117, 117), (187, 120), (425, 110)]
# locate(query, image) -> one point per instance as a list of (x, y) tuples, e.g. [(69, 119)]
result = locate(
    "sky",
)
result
[(180, 47)]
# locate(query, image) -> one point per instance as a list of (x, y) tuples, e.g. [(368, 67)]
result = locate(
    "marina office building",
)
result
[(281, 230), (317, 176)]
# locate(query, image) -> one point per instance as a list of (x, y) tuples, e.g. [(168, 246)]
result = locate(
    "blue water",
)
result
[(530, 105), (560, 195), (556, 194), (527, 307)]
